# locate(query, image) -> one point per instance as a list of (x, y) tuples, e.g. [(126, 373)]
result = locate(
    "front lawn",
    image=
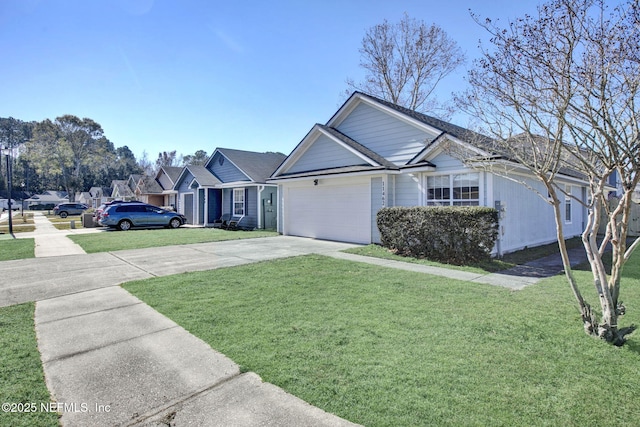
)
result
[(385, 347), (22, 223), (21, 375), (11, 248), (138, 239), (65, 223)]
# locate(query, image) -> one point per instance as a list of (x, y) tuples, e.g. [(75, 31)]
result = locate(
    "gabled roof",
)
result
[(173, 172), (149, 185), (256, 166), (201, 175), (358, 147), (456, 131), (121, 189)]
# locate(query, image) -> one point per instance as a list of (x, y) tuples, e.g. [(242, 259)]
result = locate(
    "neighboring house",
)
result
[(196, 195), (85, 198), (166, 178), (372, 154), (120, 190), (233, 183), (99, 196), (146, 189), (47, 199)]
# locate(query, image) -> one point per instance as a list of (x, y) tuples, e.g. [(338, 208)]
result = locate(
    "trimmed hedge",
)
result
[(450, 234)]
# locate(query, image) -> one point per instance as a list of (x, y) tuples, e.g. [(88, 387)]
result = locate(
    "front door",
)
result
[(270, 220), (188, 207)]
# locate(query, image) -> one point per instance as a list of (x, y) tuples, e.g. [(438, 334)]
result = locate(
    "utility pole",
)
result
[(7, 151)]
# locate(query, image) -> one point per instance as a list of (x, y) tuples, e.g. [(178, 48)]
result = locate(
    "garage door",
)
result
[(333, 210)]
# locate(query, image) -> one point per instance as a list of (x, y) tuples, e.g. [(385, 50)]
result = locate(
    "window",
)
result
[(455, 190), (238, 201), (567, 203)]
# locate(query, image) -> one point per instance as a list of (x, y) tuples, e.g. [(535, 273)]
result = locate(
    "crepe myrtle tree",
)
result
[(559, 91)]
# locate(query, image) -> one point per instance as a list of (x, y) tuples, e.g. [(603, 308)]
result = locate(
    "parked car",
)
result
[(98, 212), (125, 216), (4, 205), (66, 209)]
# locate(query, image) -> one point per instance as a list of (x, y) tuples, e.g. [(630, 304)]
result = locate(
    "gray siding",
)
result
[(251, 208), (184, 184), (325, 153), (393, 139), (407, 190), (250, 219), (377, 202), (445, 162), (527, 219), (226, 172)]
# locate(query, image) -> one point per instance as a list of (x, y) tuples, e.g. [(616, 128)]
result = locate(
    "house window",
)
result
[(238, 201), (567, 203), (453, 190)]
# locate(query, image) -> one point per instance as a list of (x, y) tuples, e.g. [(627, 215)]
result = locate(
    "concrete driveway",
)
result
[(43, 278)]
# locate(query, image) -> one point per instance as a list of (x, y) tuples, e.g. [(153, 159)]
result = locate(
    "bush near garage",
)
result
[(450, 234)]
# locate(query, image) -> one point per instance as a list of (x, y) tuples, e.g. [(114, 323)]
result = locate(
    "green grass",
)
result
[(385, 347), (16, 248), (492, 265), (65, 223), (21, 375), (378, 251), (138, 239), (22, 223)]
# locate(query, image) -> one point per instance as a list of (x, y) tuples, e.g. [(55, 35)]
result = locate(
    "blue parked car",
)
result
[(129, 215)]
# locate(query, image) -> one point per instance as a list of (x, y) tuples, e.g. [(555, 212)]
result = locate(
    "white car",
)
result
[(4, 205)]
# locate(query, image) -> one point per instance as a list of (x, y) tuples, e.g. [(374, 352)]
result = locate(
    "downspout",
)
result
[(205, 208), (260, 207)]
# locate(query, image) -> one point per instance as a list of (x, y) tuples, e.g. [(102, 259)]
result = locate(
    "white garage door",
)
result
[(333, 210)]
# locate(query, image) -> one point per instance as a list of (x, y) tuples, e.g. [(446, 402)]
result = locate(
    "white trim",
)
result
[(233, 201), (357, 98), (259, 204), (308, 141), (568, 199)]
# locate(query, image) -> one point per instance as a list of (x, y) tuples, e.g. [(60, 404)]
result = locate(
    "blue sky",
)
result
[(187, 75)]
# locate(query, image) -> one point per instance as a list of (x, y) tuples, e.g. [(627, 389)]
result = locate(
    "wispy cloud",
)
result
[(228, 41)]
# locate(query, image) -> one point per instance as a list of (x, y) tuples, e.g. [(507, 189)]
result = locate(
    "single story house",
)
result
[(373, 153), (146, 189), (231, 183), (120, 190), (196, 195), (46, 200), (166, 178)]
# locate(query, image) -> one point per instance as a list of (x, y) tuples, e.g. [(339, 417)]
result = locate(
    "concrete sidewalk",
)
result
[(113, 360)]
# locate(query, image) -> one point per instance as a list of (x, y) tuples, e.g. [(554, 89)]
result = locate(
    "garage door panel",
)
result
[(333, 211)]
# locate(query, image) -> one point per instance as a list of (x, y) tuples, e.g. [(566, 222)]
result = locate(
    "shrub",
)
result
[(450, 234)]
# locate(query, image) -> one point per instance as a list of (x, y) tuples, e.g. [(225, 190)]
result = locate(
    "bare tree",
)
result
[(167, 158), (406, 61), (559, 93)]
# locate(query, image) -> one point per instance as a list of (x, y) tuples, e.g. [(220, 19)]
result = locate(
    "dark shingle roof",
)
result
[(172, 172), (258, 166), (202, 175)]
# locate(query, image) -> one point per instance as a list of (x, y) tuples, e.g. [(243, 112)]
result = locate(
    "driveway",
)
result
[(42, 278)]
